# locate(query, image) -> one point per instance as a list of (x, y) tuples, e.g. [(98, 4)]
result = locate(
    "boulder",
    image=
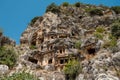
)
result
[(4, 69)]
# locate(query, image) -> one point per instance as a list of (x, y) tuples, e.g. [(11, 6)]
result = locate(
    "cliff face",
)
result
[(82, 33)]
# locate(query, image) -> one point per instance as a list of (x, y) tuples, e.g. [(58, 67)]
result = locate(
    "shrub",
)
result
[(33, 20), (78, 44), (72, 69), (77, 4), (20, 76), (100, 29), (115, 30), (116, 9), (32, 47), (111, 44), (7, 57), (53, 8), (98, 35), (95, 11), (99, 32), (65, 4)]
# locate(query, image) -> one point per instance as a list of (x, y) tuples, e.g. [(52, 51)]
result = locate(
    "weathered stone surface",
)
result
[(116, 59), (50, 75), (52, 39), (49, 67), (104, 76), (80, 77), (4, 69)]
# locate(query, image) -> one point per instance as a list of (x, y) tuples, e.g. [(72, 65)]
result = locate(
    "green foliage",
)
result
[(65, 4), (99, 32), (115, 30), (77, 4), (53, 8), (20, 76), (78, 44), (72, 69), (116, 9), (116, 20), (7, 56), (100, 29), (32, 47), (110, 44), (33, 20), (98, 35), (95, 11)]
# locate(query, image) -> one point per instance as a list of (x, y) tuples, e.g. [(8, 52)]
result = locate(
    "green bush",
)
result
[(32, 47), (33, 20), (98, 35), (115, 30), (53, 8), (110, 44), (7, 56), (78, 44), (100, 29), (77, 4), (116, 9), (72, 69), (99, 32), (65, 4), (20, 76), (95, 11)]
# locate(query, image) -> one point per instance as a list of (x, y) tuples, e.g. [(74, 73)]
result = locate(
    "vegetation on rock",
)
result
[(72, 69), (20, 76), (115, 30), (53, 8), (33, 20), (111, 43), (96, 11), (7, 56), (116, 9), (65, 4), (78, 45), (77, 4)]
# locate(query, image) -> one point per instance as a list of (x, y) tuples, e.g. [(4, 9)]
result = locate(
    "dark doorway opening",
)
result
[(91, 51), (66, 60), (32, 60), (50, 61), (61, 51), (61, 61)]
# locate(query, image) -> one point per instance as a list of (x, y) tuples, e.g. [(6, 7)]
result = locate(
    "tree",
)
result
[(72, 69)]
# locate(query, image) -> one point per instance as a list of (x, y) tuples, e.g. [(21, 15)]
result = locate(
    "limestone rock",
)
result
[(104, 76), (116, 59), (4, 69)]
